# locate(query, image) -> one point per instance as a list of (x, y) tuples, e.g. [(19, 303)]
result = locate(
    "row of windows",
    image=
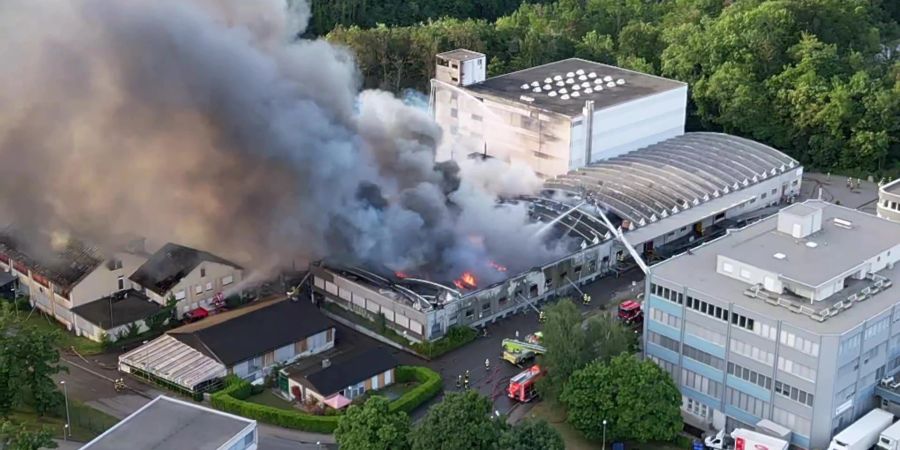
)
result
[(797, 369), (798, 424), (704, 333), (750, 375), (752, 352), (799, 343), (667, 366), (701, 384), (696, 408), (746, 402), (881, 325), (850, 344), (663, 341), (707, 308), (793, 393), (703, 357), (887, 204), (665, 318), (666, 293), (765, 330)]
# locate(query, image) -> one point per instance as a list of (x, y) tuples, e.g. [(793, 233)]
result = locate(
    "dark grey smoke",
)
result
[(205, 123)]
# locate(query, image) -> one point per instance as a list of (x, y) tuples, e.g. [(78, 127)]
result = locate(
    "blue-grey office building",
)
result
[(791, 320)]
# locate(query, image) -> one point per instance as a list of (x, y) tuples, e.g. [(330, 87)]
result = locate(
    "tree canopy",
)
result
[(531, 434), (638, 400), (818, 79), (28, 359), (462, 421), (373, 426), (19, 437)]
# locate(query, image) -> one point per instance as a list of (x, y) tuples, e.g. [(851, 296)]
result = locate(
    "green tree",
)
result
[(532, 434), (638, 400), (19, 437), (28, 359), (462, 421), (373, 426)]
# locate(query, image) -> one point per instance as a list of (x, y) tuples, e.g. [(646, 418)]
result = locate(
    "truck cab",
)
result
[(630, 313)]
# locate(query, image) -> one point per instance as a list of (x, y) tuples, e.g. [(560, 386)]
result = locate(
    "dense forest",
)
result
[(819, 79)]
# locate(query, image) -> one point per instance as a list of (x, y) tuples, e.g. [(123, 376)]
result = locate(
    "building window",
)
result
[(470, 313), (703, 357), (696, 408), (704, 333), (180, 295), (746, 274), (727, 267), (121, 282), (209, 286), (198, 289), (454, 113), (663, 341), (798, 424), (667, 366), (750, 375), (793, 393), (701, 384), (799, 343), (796, 369), (665, 318), (752, 352), (486, 306), (227, 280), (746, 402), (202, 272)]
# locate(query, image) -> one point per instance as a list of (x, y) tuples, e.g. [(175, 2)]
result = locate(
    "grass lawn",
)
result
[(87, 422), (84, 346), (395, 390), (268, 398), (555, 415)]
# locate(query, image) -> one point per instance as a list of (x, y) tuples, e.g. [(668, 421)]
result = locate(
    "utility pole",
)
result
[(68, 431)]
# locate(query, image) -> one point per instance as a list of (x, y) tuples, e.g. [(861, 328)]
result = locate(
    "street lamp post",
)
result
[(604, 434), (68, 431)]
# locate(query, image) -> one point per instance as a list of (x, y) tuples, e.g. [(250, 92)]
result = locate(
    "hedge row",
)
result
[(232, 400), (456, 337), (430, 384)]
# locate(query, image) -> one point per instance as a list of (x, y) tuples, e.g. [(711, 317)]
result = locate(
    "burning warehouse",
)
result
[(660, 199)]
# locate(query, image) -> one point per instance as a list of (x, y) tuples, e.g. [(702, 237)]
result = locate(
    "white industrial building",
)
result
[(543, 116)]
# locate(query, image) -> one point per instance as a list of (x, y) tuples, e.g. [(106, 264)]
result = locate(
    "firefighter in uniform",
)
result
[(458, 382), (487, 364), (585, 299), (466, 380), (542, 317)]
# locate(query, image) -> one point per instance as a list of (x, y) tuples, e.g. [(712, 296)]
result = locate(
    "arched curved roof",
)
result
[(662, 179)]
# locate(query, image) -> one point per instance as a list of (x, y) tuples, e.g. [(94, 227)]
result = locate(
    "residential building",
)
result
[(555, 117), (889, 201), (167, 423), (192, 277), (63, 275), (789, 319), (114, 315), (246, 342), (339, 376)]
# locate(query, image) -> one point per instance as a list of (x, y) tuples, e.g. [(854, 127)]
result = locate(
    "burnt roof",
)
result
[(170, 264), (345, 369), (118, 309), (512, 86), (255, 332), (64, 268)]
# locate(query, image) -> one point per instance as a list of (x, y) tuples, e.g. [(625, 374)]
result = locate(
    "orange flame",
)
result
[(466, 281), (498, 267)]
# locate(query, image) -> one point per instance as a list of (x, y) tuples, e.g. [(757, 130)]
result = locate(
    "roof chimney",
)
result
[(326, 363), (588, 113)]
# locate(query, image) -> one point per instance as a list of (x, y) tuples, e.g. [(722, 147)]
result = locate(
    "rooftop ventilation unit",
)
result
[(585, 84), (843, 223), (575, 87), (779, 256), (811, 244), (536, 90)]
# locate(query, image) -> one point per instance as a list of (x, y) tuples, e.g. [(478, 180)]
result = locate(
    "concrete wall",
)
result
[(102, 281), (889, 201), (210, 277)]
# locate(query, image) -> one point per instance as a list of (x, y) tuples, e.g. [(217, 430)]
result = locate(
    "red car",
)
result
[(196, 314)]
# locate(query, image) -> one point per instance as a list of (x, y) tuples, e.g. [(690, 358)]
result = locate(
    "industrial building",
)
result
[(889, 201), (167, 423), (663, 198), (555, 117), (790, 319)]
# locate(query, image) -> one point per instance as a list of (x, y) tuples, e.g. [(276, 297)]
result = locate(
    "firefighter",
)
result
[(487, 364), (458, 382), (542, 317), (119, 384), (466, 381), (585, 299)]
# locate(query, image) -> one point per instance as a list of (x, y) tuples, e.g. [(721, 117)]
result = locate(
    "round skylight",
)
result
[(585, 84), (537, 89), (548, 80), (569, 81), (560, 83), (558, 77), (535, 83), (552, 94), (580, 71), (588, 91), (563, 91), (598, 81), (611, 84), (547, 87), (575, 87), (575, 94), (598, 87), (607, 78), (525, 86), (564, 97), (570, 75), (582, 77), (620, 81), (592, 75)]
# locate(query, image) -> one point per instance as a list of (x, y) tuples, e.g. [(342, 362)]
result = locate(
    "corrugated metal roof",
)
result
[(174, 361)]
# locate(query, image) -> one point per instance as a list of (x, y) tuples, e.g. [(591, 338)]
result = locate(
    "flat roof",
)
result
[(120, 308), (166, 423), (893, 187), (697, 270), (553, 86), (461, 54)]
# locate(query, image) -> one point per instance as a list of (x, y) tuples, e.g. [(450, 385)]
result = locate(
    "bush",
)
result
[(231, 399), (430, 384), (456, 337)]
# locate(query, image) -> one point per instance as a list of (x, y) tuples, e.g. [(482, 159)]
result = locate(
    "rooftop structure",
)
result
[(166, 423), (64, 266), (118, 309), (818, 261), (563, 86), (171, 264), (460, 54), (329, 373), (889, 201)]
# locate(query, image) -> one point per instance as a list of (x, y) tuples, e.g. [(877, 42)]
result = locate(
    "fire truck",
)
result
[(630, 313), (519, 352), (521, 387)]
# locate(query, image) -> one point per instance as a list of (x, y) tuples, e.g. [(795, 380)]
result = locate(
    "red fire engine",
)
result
[(630, 313), (521, 387)]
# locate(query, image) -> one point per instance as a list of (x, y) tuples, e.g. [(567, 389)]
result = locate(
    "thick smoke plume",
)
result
[(205, 122)]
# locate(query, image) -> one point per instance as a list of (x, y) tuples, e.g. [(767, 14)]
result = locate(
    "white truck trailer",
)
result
[(862, 434), (890, 438), (744, 439)]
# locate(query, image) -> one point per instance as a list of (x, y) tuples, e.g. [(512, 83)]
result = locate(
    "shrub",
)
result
[(456, 337), (430, 384)]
